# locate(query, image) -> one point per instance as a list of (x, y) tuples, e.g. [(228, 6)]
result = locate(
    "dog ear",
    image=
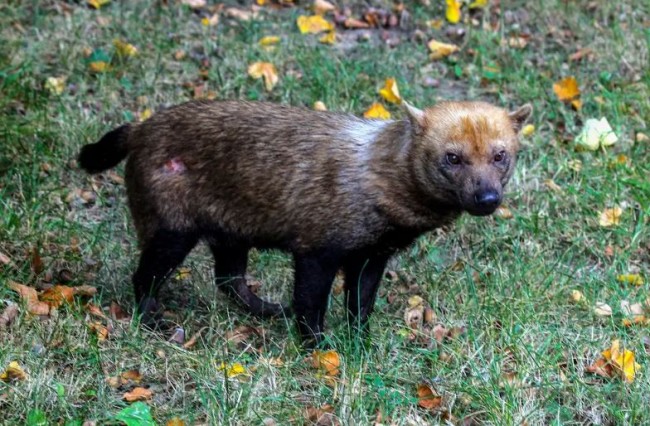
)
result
[(520, 116), (416, 116)]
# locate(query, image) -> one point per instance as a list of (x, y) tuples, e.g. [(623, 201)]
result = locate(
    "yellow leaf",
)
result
[(145, 114), (327, 362), (269, 40), (634, 279), (96, 4), (210, 21), (453, 11), (566, 89), (319, 106), (576, 104), (177, 421), (441, 50), (479, 4), (55, 85), (435, 24), (264, 70), (124, 49), (503, 212), (610, 217), (99, 66), (577, 296), (57, 295), (528, 130), (232, 370), (377, 110), (329, 38), (622, 361), (390, 92), (428, 398), (260, 2), (13, 372), (313, 24)]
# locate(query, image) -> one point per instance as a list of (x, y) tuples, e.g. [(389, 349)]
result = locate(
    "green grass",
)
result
[(506, 281)]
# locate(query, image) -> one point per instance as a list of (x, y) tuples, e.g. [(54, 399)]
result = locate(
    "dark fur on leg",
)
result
[(314, 275), (363, 274), (230, 272), (160, 257)]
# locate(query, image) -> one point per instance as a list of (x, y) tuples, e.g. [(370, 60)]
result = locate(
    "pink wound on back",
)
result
[(175, 166)]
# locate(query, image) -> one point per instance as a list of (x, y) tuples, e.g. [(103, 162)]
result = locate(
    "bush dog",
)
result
[(336, 191)]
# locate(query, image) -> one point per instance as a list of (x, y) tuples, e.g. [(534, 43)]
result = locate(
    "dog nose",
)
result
[(487, 199)]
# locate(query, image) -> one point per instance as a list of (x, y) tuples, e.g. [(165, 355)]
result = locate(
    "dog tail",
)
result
[(112, 148)]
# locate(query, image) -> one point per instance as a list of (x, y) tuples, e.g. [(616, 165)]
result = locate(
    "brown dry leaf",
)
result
[(313, 24), (57, 295), (37, 262), (441, 50), (439, 332), (566, 89), (427, 398), (390, 92), (138, 394), (13, 372), (85, 290), (113, 382), (377, 110), (327, 362), (194, 4), (30, 297), (610, 217), (550, 184), (192, 341), (264, 70), (321, 7), (243, 333), (117, 313), (601, 368), (8, 315), (99, 329), (584, 52), (175, 421), (576, 296), (355, 24), (131, 376), (518, 42), (320, 416)]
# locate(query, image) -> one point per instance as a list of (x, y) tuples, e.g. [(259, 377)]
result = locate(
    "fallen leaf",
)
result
[(441, 50), (427, 398), (320, 416), (377, 110), (517, 42), (117, 313), (264, 70), (550, 184), (194, 4), (97, 4), (601, 367), (13, 372), (610, 217), (503, 212), (100, 330), (4, 259), (328, 38), (36, 261), (319, 106), (243, 333), (566, 89), (622, 361), (581, 53), (240, 14), (232, 370), (192, 341), (596, 134), (269, 40), (327, 362), (8, 315), (210, 21), (124, 48), (452, 12), (390, 92), (131, 376), (30, 297), (429, 316), (479, 4), (138, 394), (355, 24), (603, 309), (634, 279), (313, 24), (528, 130), (321, 7), (175, 421), (55, 85), (641, 137), (99, 66), (577, 296), (136, 414), (145, 114), (56, 295), (85, 290)]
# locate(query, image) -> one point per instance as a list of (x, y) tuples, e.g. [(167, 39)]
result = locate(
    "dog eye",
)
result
[(453, 159), (499, 157)]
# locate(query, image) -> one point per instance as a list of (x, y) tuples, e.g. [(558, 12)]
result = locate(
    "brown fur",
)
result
[(309, 182)]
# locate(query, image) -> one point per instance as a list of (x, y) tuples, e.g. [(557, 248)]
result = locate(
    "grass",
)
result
[(523, 355)]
